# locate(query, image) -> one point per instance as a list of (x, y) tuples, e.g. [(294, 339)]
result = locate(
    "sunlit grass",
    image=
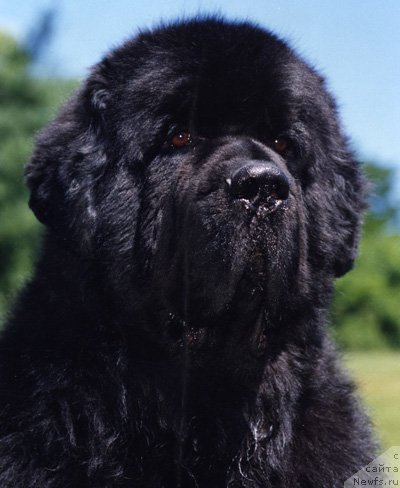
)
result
[(377, 375)]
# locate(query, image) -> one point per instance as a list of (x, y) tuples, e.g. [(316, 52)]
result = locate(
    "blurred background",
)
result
[(46, 48)]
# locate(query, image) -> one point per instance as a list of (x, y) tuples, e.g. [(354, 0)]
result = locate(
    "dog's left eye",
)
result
[(281, 145), (181, 139)]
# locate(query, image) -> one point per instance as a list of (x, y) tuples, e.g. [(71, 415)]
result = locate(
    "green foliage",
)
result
[(366, 306), (384, 210), (366, 312), (26, 104)]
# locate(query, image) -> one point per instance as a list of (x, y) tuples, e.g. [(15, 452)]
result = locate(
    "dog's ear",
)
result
[(68, 155), (347, 249), (345, 203)]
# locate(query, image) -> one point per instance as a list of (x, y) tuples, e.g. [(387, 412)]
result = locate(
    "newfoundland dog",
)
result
[(199, 198)]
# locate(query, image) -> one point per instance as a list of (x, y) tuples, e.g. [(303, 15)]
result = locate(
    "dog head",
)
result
[(203, 168)]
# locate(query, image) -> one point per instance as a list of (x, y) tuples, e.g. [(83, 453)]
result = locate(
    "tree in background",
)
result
[(26, 104), (366, 310)]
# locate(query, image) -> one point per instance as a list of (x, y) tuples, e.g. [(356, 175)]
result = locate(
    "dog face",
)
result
[(202, 169)]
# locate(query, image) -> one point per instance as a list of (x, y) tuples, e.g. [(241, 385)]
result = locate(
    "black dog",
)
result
[(200, 198)]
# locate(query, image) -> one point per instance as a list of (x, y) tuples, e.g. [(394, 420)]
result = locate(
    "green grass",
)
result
[(377, 375)]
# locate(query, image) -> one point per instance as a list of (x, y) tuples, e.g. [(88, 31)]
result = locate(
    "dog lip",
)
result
[(258, 340), (259, 344)]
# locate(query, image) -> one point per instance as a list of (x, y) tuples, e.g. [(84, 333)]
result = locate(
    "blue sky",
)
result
[(354, 43)]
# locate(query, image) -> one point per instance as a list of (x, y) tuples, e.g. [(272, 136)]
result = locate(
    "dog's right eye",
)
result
[(181, 139), (281, 145)]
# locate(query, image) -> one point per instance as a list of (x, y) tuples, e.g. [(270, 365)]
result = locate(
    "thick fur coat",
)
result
[(199, 199)]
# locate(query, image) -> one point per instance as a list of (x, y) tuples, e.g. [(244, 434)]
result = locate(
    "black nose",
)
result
[(259, 182)]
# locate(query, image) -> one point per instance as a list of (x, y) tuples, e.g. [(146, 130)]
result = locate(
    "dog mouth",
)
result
[(184, 336), (231, 320)]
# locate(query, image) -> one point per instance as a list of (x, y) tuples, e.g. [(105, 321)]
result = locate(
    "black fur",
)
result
[(174, 335)]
